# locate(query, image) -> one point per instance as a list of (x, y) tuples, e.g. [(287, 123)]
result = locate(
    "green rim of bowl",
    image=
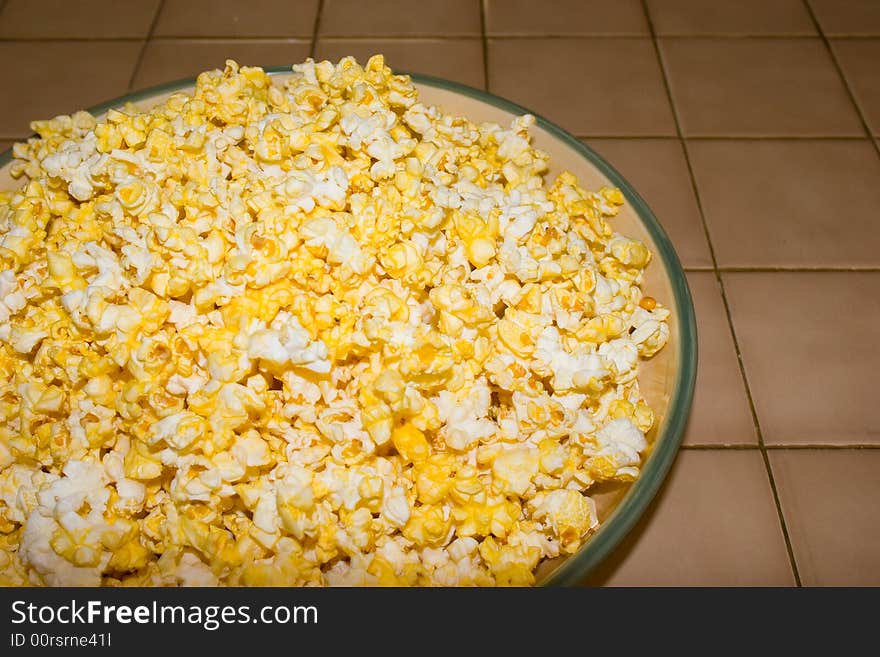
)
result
[(575, 568)]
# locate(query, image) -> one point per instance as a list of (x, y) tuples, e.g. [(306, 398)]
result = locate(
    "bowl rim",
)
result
[(574, 569)]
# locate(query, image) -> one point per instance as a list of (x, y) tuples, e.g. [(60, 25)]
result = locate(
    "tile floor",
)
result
[(749, 125)]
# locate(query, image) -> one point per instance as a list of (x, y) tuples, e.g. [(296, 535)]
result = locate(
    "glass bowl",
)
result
[(666, 380)]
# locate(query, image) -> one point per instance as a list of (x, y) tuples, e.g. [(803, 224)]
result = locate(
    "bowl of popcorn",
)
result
[(328, 325)]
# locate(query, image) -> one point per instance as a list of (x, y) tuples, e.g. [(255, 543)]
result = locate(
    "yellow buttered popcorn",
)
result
[(309, 332)]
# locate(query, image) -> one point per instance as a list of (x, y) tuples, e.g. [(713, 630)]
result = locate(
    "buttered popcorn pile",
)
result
[(308, 333)]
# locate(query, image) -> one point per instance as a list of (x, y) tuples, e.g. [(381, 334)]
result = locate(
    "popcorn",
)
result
[(312, 332), (285, 342), (514, 469), (618, 445), (568, 513)]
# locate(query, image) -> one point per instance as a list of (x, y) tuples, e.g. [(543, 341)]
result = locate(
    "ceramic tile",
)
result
[(565, 17), (86, 19), (59, 77), (233, 18), (400, 18), (585, 85), (806, 340), (730, 17), (714, 524), (829, 501), (789, 203), (758, 87)]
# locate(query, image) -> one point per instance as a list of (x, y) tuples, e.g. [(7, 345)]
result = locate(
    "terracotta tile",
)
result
[(720, 414), (528, 18), (455, 59), (585, 85), (792, 203), (807, 341), (829, 499), (848, 17), (658, 171), (713, 524), (858, 58), (758, 87), (233, 18), (400, 18), (58, 19), (59, 77), (730, 17), (167, 60)]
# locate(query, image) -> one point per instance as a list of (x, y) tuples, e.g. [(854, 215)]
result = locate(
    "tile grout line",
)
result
[(458, 35), (782, 447), (658, 137), (159, 39), (639, 35), (823, 447), (315, 28), (776, 137), (868, 269), (140, 59), (74, 39), (439, 36), (231, 37), (784, 270), (720, 282), (426, 37), (449, 36), (485, 42), (402, 37), (706, 447), (843, 78)]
